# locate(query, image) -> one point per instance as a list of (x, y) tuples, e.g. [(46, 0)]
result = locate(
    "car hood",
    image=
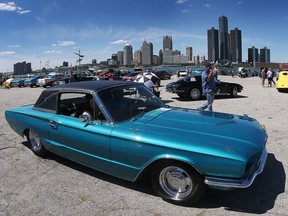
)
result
[(193, 130)]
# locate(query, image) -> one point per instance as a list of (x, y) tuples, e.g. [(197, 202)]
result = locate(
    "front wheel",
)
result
[(195, 94), (177, 183), (234, 92), (35, 143)]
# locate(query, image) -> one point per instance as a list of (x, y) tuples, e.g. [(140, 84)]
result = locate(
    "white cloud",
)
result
[(24, 11), (7, 53), (120, 42), (11, 6), (14, 46), (65, 43), (180, 1), (53, 52), (207, 5), (185, 11)]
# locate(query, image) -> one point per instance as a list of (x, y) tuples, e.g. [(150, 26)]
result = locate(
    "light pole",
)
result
[(79, 59)]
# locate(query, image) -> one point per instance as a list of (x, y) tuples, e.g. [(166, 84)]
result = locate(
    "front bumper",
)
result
[(244, 183)]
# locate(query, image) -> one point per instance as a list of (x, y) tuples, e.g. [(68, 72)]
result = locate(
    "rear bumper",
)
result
[(244, 183)]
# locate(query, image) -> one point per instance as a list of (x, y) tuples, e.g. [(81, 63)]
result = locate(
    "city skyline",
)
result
[(50, 32)]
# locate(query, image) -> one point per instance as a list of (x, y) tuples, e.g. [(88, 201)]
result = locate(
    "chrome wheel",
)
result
[(36, 144), (175, 182), (195, 94), (34, 140)]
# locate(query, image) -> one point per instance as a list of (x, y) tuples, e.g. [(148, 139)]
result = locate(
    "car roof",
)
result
[(48, 97), (92, 86)]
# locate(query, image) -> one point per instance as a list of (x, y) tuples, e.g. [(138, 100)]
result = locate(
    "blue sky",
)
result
[(48, 32)]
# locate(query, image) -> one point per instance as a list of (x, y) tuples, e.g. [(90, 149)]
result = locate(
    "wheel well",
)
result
[(146, 173)]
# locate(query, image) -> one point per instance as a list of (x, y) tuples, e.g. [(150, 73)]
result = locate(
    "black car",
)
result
[(191, 87), (163, 74)]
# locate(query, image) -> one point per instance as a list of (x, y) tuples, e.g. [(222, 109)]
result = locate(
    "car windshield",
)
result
[(126, 102)]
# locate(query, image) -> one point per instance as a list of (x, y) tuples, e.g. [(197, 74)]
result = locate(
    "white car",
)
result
[(181, 73)]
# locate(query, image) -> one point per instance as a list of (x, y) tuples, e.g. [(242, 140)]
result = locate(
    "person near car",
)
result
[(263, 76), (208, 86), (269, 77)]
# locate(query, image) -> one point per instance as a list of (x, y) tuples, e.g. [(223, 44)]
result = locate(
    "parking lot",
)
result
[(30, 185)]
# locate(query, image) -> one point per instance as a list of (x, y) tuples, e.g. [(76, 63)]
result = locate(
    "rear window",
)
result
[(47, 101)]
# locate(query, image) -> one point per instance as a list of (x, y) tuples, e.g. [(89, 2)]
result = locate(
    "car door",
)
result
[(88, 144)]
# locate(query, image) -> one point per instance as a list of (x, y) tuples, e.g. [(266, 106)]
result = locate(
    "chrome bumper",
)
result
[(244, 183)]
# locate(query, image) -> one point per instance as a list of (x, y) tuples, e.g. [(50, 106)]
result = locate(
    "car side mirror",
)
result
[(86, 118)]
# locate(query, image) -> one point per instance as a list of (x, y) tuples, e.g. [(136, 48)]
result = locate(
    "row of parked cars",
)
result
[(50, 79)]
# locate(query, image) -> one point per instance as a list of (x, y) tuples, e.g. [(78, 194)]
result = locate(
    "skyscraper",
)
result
[(127, 55), (147, 53), (253, 55), (167, 43), (265, 55), (223, 38), (235, 45), (189, 53), (213, 45)]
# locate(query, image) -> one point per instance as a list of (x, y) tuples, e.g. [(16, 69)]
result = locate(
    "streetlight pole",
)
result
[(79, 59)]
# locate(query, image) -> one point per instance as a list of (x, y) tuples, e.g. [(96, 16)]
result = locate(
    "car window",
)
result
[(47, 101), (76, 104), (125, 102)]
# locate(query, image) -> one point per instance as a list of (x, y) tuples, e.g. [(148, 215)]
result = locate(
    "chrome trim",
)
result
[(244, 183)]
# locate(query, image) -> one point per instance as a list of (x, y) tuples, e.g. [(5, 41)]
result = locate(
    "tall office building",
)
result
[(138, 57), (120, 57), (167, 43), (253, 55), (127, 55), (147, 53), (22, 68), (235, 45), (189, 53), (223, 38), (213, 45), (160, 60), (265, 55)]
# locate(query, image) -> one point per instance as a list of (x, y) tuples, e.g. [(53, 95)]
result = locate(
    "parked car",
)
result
[(50, 80), (163, 74), (133, 134), (32, 81), (131, 76), (282, 81), (17, 82), (191, 87), (181, 73), (243, 73), (75, 78)]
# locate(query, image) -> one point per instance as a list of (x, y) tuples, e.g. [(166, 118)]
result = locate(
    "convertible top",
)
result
[(92, 85), (48, 98)]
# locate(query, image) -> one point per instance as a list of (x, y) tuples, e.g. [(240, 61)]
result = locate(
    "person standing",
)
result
[(269, 77), (208, 86), (263, 76)]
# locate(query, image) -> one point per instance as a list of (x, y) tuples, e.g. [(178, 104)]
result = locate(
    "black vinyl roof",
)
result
[(48, 98), (92, 85)]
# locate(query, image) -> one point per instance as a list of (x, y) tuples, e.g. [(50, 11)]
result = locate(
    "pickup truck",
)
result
[(49, 80)]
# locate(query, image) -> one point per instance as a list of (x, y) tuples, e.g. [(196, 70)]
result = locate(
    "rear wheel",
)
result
[(195, 94), (35, 143), (177, 183), (234, 92)]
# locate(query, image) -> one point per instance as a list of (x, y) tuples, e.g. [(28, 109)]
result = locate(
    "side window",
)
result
[(73, 104), (76, 104)]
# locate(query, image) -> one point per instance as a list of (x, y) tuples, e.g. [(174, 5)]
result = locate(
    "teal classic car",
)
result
[(122, 129)]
